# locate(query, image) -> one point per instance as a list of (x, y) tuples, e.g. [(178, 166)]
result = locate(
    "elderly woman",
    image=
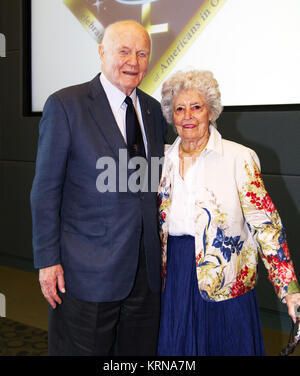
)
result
[(215, 218)]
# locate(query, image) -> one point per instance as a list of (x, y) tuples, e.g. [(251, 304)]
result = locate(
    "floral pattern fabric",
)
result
[(235, 221)]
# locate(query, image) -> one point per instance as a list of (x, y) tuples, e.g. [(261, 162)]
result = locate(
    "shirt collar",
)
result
[(214, 144), (115, 96), (215, 141)]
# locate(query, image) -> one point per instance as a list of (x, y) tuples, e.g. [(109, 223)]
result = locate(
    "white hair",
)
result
[(202, 81)]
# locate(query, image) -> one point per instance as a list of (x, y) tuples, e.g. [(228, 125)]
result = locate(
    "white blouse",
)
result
[(182, 212)]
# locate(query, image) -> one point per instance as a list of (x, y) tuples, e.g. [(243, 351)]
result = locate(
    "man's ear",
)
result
[(101, 51)]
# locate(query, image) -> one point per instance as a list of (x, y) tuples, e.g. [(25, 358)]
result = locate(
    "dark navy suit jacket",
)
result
[(94, 236)]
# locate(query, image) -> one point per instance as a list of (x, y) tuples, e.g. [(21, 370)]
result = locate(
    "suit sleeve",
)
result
[(46, 194)]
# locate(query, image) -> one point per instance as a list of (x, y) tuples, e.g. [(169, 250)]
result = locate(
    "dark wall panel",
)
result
[(274, 135), (10, 21), (18, 140), (18, 133), (15, 214)]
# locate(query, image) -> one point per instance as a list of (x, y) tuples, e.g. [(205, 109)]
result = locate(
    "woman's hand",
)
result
[(292, 300)]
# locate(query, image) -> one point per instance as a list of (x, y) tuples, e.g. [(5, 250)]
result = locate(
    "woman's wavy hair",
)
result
[(202, 81)]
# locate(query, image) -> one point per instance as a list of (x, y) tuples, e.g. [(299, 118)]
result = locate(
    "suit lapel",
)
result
[(101, 112)]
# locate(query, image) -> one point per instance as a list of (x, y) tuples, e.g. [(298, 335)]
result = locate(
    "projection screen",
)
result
[(251, 46)]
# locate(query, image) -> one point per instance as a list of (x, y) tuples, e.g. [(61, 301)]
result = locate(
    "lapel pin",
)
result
[(148, 112)]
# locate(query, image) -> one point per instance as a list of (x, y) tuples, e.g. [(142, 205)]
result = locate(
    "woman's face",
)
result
[(191, 115)]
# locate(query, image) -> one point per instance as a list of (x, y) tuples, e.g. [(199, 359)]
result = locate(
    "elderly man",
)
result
[(98, 250)]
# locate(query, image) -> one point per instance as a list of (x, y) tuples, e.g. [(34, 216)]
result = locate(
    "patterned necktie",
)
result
[(134, 136)]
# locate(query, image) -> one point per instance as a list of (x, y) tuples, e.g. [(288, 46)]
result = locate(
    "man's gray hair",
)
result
[(202, 81)]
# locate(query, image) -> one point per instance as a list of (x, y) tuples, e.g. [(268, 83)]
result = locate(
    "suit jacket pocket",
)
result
[(86, 228)]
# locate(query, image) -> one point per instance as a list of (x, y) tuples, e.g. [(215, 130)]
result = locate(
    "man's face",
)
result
[(124, 54)]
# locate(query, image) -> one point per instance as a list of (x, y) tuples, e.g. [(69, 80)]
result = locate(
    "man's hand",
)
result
[(49, 278)]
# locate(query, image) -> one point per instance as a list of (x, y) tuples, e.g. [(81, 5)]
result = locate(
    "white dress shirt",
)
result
[(116, 100)]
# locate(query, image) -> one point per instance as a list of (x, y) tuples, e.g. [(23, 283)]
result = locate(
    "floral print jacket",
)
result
[(235, 220)]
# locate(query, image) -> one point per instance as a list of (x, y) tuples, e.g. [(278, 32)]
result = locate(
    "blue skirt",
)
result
[(191, 326)]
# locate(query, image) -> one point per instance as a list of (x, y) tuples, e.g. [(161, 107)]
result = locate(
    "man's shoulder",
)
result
[(146, 97), (75, 92), (72, 91)]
